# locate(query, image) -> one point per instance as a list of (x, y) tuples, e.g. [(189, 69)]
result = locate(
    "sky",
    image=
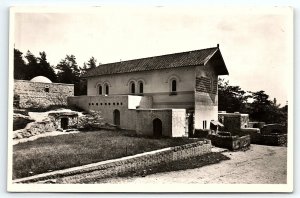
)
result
[(256, 43)]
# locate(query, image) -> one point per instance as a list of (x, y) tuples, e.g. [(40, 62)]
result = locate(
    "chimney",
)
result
[(218, 45)]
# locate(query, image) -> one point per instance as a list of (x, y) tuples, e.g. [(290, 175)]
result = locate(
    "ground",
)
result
[(258, 165), (50, 153)]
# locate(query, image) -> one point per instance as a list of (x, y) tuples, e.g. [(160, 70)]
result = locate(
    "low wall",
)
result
[(123, 165), (230, 142), (264, 139), (273, 128)]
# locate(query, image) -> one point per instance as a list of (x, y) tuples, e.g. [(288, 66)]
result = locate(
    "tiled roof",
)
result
[(190, 58)]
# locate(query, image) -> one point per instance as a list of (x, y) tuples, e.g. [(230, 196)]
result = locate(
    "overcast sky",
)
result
[(255, 43)]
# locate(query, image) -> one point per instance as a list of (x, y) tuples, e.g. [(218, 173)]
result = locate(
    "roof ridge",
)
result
[(157, 56), (179, 59)]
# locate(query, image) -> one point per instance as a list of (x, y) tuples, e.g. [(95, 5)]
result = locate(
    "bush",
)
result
[(91, 121)]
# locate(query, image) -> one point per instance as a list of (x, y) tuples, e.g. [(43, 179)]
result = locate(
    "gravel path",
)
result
[(259, 165)]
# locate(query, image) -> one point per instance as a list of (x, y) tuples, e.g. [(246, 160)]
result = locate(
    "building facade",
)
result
[(168, 95)]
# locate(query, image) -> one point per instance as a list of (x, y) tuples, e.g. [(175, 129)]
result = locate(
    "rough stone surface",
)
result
[(38, 94)]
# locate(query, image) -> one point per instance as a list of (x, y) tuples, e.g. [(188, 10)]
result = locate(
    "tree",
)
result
[(265, 110), (231, 98), (69, 72), (44, 68), (19, 65), (32, 65), (91, 64)]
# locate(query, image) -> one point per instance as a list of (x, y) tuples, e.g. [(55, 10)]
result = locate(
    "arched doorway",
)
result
[(157, 127), (116, 117)]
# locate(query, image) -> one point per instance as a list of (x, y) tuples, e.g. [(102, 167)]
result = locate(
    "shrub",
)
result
[(91, 121)]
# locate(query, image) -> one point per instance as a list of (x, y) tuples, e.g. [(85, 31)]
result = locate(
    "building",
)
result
[(168, 95), (41, 92)]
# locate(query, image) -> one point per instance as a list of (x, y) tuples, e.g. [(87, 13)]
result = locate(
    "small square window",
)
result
[(47, 89)]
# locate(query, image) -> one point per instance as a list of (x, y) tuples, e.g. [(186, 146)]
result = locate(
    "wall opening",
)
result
[(157, 128), (141, 88), (100, 90), (117, 118), (106, 89), (132, 88), (174, 86), (64, 122)]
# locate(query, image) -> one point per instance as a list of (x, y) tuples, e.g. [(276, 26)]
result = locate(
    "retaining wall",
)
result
[(115, 167)]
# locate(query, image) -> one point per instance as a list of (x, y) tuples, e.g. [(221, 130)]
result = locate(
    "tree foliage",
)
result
[(35, 66), (19, 65), (234, 99), (69, 72), (231, 98)]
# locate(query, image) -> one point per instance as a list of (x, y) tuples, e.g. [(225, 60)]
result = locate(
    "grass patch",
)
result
[(65, 151)]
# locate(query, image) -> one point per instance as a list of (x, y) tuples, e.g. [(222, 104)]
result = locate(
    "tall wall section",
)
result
[(108, 105), (206, 96)]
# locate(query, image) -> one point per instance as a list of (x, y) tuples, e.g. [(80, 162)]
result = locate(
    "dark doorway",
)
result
[(64, 123), (116, 117), (157, 127), (190, 118)]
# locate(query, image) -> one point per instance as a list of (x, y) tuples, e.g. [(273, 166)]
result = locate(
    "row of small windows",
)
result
[(106, 103), (132, 90)]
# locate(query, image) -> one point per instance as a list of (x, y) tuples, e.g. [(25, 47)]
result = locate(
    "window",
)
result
[(100, 89), (204, 124), (132, 88), (141, 87), (47, 89), (106, 89), (174, 86)]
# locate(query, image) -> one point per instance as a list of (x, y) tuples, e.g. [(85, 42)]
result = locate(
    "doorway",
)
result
[(116, 117), (64, 122), (157, 127)]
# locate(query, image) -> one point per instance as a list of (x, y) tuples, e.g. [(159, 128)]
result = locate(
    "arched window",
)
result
[(132, 88), (141, 85), (100, 89), (174, 86), (106, 89)]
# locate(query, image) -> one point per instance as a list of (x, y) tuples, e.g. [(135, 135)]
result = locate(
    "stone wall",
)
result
[(144, 121), (123, 165), (173, 122), (273, 128), (36, 94)]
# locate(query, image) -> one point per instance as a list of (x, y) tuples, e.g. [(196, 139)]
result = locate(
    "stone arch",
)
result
[(130, 81), (107, 83), (98, 83), (172, 77)]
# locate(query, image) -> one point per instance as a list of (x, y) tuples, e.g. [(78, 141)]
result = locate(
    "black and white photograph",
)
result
[(150, 99)]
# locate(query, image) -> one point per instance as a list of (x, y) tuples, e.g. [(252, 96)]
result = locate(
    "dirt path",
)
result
[(259, 165)]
